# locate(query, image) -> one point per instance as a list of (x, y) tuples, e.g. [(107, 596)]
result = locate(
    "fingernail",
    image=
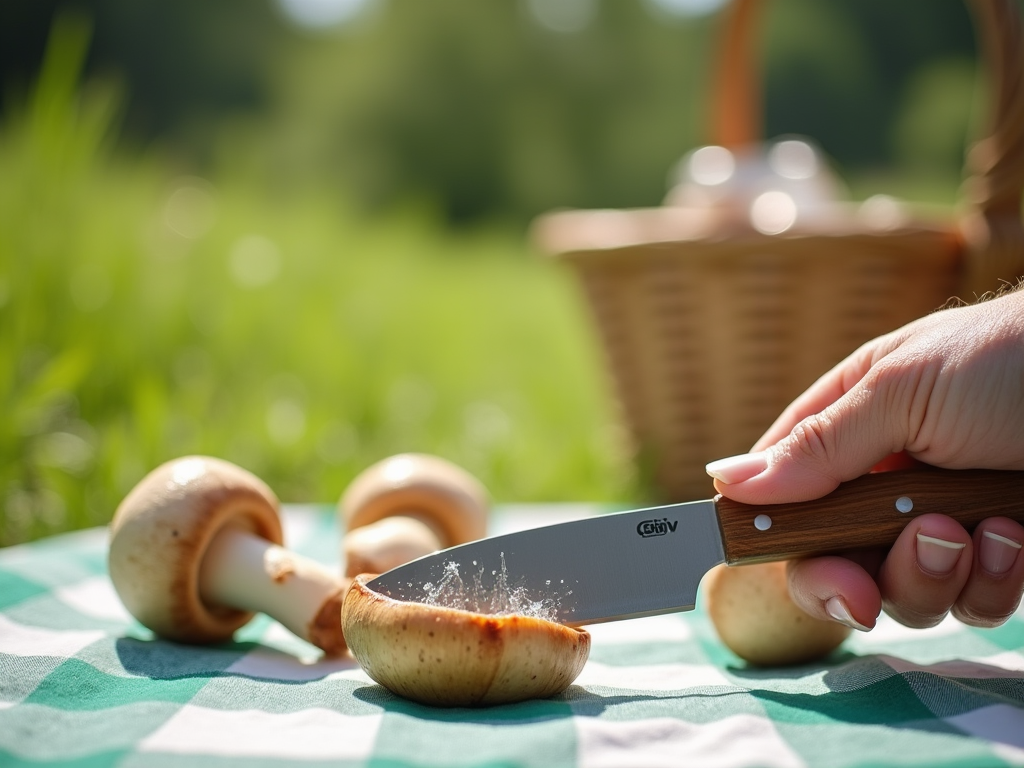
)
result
[(937, 556), (736, 469), (836, 608), (997, 553)]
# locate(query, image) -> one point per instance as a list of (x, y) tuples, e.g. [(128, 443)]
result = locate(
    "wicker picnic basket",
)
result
[(711, 325)]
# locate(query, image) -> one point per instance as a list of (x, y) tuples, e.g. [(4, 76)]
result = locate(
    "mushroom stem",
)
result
[(388, 543), (241, 570)]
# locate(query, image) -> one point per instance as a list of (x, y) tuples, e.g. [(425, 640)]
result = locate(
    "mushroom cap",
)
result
[(160, 533), (756, 618), (453, 658), (441, 494)]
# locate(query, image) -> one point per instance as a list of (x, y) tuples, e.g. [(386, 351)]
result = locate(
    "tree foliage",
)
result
[(479, 108)]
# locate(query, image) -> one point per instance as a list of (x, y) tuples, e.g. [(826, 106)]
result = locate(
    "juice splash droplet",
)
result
[(502, 598)]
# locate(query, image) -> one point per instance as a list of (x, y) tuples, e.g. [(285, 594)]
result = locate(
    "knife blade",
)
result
[(649, 561)]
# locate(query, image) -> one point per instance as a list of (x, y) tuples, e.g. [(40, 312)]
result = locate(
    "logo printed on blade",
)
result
[(649, 528)]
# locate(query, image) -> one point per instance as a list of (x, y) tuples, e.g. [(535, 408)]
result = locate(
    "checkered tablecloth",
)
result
[(81, 683)]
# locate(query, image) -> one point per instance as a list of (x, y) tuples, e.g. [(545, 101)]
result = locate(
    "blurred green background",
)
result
[(293, 233)]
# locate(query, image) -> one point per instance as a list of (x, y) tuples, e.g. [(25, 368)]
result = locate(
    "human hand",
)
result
[(946, 390)]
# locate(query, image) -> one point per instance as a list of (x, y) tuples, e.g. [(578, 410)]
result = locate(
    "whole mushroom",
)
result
[(455, 658), (407, 506), (195, 551), (750, 608)]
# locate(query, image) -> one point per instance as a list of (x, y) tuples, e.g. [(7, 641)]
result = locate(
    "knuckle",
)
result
[(905, 387), (987, 607), (972, 617), (811, 439)]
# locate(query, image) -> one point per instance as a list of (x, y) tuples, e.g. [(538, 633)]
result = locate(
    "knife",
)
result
[(649, 561)]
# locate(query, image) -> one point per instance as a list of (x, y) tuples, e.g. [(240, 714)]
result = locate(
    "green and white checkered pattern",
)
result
[(81, 683)]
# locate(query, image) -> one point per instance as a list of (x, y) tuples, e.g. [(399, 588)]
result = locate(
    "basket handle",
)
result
[(991, 225)]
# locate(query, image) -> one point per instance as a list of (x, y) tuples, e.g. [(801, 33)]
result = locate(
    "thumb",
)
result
[(842, 441)]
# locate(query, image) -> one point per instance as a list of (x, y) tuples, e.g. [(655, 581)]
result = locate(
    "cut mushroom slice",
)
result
[(407, 506), (195, 551), (453, 658)]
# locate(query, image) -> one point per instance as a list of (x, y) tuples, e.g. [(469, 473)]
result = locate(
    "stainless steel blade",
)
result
[(604, 568)]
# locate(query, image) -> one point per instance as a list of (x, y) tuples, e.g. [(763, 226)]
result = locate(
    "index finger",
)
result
[(824, 392)]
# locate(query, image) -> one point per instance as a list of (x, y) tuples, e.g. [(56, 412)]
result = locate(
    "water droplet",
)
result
[(498, 596)]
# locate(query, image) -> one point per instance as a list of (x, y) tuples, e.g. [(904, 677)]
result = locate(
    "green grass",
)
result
[(144, 316)]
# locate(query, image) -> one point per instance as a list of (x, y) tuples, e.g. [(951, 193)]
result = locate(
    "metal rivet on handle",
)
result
[(904, 504), (762, 522)]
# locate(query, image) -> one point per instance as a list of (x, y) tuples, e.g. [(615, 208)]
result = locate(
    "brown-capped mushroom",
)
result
[(756, 618), (455, 658), (407, 506), (195, 551)]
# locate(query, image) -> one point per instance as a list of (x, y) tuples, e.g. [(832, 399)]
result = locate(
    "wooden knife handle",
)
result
[(870, 511)]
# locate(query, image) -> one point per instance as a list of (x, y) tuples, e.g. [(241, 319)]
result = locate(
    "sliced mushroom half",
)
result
[(455, 658)]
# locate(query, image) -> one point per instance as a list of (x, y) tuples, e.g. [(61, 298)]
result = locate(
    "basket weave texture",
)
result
[(710, 328)]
